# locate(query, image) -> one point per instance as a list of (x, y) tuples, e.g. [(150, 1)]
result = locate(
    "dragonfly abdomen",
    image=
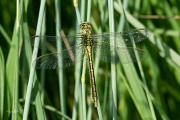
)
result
[(92, 77)]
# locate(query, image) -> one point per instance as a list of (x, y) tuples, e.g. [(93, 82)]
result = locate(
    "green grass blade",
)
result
[(76, 92), (32, 70), (60, 71), (82, 101), (3, 32), (137, 90), (75, 2), (42, 74), (83, 10), (25, 70), (50, 108), (12, 66), (168, 52), (2, 83), (38, 103), (89, 10), (77, 69), (12, 73), (83, 84), (113, 66), (155, 41), (145, 90)]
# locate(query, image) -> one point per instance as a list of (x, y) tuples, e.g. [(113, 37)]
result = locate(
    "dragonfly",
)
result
[(113, 47)]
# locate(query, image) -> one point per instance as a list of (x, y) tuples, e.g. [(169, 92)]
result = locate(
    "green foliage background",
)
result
[(147, 90)]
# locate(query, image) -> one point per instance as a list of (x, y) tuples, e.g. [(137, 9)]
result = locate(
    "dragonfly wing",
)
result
[(68, 57), (130, 54), (123, 38), (52, 43), (103, 52), (115, 54)]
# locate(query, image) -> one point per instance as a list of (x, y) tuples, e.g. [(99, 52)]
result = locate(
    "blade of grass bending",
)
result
[(3, 32), (2, 83), (60, 63), (37, 98), (12, 66), (32, 69), (28, 54), (113, 66), (157, 104), (166, 51), (77, 68), (39, 101), (137, 88), (146, 90), (173, 22), (142, 73), (169, 52), (50, 108)]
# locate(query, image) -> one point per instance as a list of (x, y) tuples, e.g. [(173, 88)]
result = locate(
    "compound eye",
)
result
[(81, 25), (89, 24)]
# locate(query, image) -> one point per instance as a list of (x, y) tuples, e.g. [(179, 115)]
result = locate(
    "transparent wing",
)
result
[(115, 54), (68, 57), (119, 50), (123, 38), (130, 54), (65, 49), (53, 43)]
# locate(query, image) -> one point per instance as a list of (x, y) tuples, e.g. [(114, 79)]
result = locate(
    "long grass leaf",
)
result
[(32, 70), (168, 52), (50, 108), (2, 83), (61, 76), (77, 67), (83, 81), (133, 73), (113, 66), (12, 65), (3, 32), (146, 90), (82, 105)]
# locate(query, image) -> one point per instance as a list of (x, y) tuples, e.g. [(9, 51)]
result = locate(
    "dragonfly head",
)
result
[(86, 28)]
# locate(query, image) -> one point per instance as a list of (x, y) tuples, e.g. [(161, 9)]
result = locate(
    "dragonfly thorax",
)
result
[(86, 32)]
